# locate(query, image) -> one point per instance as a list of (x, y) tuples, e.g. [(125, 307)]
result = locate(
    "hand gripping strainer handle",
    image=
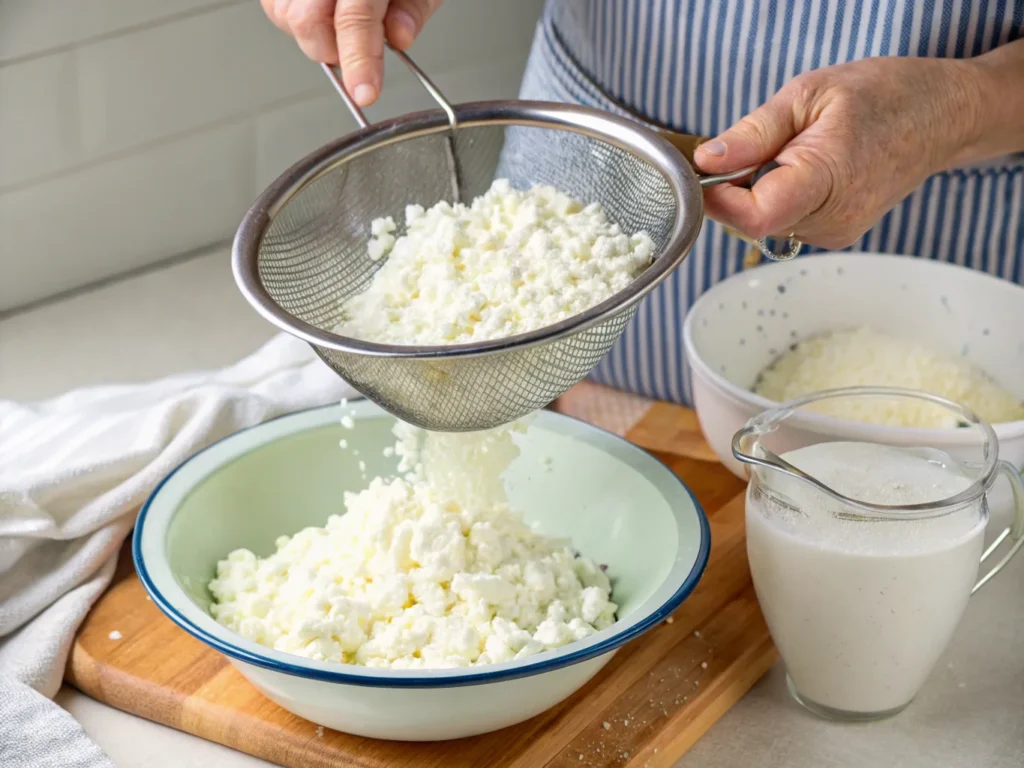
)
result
[(453, 164), (687, 144)]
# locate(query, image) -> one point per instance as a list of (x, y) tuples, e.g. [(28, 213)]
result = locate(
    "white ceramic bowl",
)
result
[(618, 504), (743, 323)]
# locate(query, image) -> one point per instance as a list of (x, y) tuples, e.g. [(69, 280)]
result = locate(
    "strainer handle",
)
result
[(793, 245), (454, 172), (687, 143), (334, 75)]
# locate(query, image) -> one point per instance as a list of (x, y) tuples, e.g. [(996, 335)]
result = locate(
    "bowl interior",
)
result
[(742, 324), (617, 504)]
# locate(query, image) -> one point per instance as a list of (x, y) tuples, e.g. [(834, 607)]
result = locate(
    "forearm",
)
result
[(996, 86)]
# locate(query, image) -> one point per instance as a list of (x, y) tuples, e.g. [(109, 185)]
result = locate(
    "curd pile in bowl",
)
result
[(821, 321), (428, 570), (523, 621)]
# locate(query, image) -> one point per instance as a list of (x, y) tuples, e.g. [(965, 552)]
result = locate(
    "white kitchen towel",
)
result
[(73, 472)]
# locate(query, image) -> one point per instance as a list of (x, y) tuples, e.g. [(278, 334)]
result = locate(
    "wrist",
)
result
[(990, 115), (969, 94)]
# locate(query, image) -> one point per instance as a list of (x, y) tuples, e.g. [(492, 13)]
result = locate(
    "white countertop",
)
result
[(189, 316)]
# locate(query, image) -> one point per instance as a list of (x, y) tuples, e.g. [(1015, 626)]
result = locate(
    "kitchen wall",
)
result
[(134, 131)]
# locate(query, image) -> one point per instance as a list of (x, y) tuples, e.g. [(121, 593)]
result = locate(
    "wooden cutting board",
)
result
[(656, 697)]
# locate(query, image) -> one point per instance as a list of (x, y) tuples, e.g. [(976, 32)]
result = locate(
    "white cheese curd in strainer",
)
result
[(433, 569), (511, 261)]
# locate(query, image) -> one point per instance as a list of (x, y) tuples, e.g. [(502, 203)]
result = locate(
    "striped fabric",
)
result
[(698, 66)]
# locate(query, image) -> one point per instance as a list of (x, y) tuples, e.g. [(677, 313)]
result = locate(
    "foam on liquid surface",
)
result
[(872, 473)]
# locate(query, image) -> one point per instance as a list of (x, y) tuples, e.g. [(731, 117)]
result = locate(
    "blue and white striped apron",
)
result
[(698, 66)]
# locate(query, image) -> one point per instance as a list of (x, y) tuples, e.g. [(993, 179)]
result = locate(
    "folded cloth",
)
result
[(73, 472)]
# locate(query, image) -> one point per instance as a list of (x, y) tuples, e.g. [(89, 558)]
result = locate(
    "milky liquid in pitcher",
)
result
[(861, 610)]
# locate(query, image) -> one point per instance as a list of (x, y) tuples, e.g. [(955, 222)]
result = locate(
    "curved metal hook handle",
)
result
[(793, 245), (455, 172), (687, 143), (428, 86), (334, 75)]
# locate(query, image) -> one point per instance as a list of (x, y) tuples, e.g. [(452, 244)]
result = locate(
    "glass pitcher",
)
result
[(865, 549)]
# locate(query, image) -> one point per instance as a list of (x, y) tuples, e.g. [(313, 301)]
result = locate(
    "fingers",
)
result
[(754, 140), (350, 34), (359, 30), (405, 20), (275, 10), (776, 205), (310, 22)]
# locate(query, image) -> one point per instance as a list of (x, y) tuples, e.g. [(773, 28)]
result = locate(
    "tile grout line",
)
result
[(151, 144), (120, 277), (120, 32)]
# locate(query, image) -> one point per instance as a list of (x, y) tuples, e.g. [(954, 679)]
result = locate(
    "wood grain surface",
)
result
[(658, 695)]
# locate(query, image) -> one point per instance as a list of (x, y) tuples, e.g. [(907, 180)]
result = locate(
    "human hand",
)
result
[(851, 141), (350, 33)]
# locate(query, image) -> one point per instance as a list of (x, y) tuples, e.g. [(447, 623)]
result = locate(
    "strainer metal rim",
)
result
[(623, 133)]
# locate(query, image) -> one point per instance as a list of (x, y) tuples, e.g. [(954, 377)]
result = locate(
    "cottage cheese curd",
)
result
[(432, 569), (862, 356), (510, 262)]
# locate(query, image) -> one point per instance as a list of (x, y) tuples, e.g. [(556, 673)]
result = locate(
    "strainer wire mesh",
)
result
[(301, 252)]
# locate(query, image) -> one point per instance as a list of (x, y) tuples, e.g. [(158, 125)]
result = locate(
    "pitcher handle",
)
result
[(1014, 532)]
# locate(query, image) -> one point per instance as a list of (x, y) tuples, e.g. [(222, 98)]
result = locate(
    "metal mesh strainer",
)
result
[(301, 252)]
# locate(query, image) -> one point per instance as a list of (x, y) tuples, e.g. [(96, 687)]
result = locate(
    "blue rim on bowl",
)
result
[(204, 627)]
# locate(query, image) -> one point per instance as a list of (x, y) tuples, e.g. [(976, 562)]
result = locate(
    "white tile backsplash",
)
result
[(186, 74), (38, 117), (29, 27), (132, 131), (124, 214)]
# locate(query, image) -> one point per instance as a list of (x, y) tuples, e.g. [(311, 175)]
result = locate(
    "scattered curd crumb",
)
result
[(696, 633), (669, 620), (389, 452), (625, 723), (362, 466), (319, 731), (606, 725), (703, 665), (115, 635), (347, 422), (511, 261), (343, 443)]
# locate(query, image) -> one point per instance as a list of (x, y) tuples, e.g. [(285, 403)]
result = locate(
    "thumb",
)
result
[(754, 140)]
